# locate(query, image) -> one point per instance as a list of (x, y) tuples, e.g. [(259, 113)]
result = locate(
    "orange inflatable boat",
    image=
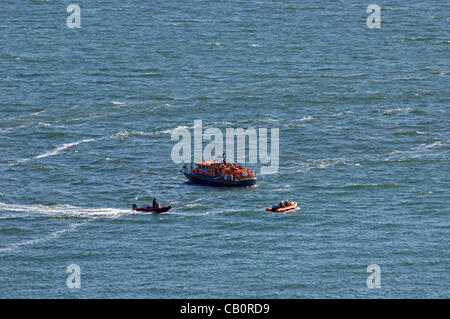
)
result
[(283, 207)]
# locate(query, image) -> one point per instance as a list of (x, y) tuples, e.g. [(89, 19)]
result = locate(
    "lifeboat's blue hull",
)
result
[(220, 183)]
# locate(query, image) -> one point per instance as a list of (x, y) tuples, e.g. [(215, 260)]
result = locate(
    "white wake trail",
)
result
[(61, 148), (65, 210), (91, 213), (54, 152), (51, 236)]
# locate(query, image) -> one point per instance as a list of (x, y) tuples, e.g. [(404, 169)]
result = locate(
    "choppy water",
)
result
[(85, 122)]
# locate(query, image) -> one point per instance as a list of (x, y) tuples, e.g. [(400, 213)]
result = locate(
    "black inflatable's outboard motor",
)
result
[(134, 206)]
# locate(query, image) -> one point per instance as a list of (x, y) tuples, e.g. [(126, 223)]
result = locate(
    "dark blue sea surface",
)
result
[(86, 117)]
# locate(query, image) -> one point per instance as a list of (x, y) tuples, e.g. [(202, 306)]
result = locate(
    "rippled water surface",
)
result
[(86, 117)]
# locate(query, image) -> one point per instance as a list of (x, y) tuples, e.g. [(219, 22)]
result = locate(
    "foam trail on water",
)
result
[(51, 236), (61, 148), (65, 210), (56, 151), (117, 103), (59, 210)]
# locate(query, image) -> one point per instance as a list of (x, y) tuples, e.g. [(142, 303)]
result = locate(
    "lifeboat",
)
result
[(158, 209), (283, 208), (222, 173)]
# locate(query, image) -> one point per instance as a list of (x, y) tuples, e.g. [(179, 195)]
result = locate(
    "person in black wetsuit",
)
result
[(155, 202)]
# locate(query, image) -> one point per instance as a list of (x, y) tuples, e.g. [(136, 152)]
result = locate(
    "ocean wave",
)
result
[(61, 148), (120, 134), (360, 186), (340, 114), (53, 152), (415, 152), (38, 112), (428, 146), (180, 127), (410, 133), (51, 236), (323, 163), (394, 110), (130, 133), (194, 207), (6, 130)]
